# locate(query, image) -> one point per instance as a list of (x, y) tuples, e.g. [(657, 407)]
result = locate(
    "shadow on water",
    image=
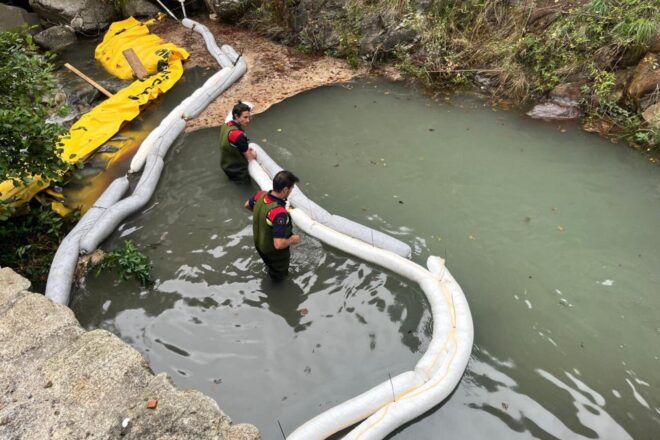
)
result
[(282, 298)]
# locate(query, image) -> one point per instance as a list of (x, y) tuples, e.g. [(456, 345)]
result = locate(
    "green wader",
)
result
[(232, 161), (277, 260)]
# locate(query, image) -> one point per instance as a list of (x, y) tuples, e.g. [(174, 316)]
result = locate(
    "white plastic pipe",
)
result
[(338, 223)]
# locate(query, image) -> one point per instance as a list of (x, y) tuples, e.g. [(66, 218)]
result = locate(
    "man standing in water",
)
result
[(271, 225), (234, 144)]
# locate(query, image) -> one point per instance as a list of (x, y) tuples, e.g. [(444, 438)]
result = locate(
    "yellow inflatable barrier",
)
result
[(96, 127), (131, 33)]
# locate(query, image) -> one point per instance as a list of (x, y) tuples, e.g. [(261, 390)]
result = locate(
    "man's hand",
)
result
[(250, 154), (294, 239), (283, 243)]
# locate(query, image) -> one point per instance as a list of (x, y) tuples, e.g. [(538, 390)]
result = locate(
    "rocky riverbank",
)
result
[(595, 61), (58, 381)]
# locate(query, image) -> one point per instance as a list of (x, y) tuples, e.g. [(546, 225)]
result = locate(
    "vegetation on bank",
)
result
[(31, 234), (28, 142), (28, 147), (28, 242), (521, 50)]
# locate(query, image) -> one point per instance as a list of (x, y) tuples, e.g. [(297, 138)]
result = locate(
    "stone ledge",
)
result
[(59, 382)]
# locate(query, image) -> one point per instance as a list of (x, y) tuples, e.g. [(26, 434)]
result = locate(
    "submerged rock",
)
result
[(56, 38)]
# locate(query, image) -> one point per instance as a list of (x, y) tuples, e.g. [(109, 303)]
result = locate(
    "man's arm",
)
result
[(249, 204), (238, 139), (280, 222), (283, 243)]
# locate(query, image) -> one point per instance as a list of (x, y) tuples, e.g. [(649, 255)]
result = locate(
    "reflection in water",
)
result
[(493, 391), (283, 298)]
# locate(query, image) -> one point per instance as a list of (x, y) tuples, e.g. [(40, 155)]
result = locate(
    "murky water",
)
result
[(552, 233)]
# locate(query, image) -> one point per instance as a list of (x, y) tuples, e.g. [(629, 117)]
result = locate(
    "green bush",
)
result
[(127, 262), (28, 143), (28, 242)]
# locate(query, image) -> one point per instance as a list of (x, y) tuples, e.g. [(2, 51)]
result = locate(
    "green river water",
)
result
[(552, 234)]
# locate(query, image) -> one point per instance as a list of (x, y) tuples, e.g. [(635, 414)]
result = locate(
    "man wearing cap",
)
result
[(271, 225), (235, 151)]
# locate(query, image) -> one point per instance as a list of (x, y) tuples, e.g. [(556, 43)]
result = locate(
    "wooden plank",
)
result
[(94, 84), (138, 68)]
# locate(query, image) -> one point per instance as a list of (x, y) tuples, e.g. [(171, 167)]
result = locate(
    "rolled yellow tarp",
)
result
[(131, 33), (96, 127)]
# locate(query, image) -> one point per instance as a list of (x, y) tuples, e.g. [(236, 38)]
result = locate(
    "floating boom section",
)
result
[(110, 209), (233, 67), (410, 394), (336, 222)]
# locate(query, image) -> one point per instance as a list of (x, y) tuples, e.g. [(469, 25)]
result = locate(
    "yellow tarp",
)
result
[(131, 33), (94, 128)]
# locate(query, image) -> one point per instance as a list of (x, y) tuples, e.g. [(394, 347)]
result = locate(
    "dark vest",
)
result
[(262, 226), (232, 161)]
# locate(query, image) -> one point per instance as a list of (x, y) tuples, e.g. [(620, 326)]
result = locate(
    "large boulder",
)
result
[(554, 111), (138, 8), (13, 18), (646, 77), (85, 16), (227, 11), (380, 35), (318, 22), (56, 38)]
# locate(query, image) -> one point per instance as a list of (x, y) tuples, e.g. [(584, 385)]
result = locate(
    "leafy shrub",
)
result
[(28, 143), (127, 262), (28, 242)]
